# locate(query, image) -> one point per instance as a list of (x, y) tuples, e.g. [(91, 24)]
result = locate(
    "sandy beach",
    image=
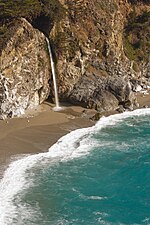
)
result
[(40, 128), (36, 131), (143, 99)]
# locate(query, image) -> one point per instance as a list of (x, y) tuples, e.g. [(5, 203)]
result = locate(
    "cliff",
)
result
[(24, 70), (101, 52), (93, 52)]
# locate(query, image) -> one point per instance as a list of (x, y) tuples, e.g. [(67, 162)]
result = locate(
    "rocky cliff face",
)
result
[(92, 66), (100, 49), (24, 70)]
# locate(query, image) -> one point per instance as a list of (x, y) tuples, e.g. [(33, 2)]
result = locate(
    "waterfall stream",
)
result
[(57, 107)]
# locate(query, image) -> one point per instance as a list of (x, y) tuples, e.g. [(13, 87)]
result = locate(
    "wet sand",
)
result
[(37, 131), (40, 128)]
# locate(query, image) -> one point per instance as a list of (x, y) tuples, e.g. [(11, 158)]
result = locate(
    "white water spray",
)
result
[(18, 177), (57, 107)]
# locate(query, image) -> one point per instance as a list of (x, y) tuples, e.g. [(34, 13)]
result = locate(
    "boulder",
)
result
[(101, 93)]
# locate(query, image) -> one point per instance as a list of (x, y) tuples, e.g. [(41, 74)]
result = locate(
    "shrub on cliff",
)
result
[(29, 9), (138, 1), (11, 10), (137, 37), (17, 8)]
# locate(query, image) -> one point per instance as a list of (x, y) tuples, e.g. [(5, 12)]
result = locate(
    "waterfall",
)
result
[(54, 76)]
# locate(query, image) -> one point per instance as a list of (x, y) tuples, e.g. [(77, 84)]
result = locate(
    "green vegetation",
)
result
[(137, 37), (18, 8), (29, 9), (65, 43), (32, 10), (138, 1)]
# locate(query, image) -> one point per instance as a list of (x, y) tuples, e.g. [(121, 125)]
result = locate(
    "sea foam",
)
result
[(73, 145)]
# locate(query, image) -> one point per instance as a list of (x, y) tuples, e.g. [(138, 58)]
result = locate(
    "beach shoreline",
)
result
[(41, 127), (37, 131)]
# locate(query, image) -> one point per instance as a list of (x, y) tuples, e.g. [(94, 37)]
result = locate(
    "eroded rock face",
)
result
[(92, 67), (101, 93), (24, 71)]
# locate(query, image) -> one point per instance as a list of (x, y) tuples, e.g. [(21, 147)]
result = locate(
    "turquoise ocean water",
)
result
[(98, 175)]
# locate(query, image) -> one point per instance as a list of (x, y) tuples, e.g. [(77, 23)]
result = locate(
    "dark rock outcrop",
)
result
[(101, 93)]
